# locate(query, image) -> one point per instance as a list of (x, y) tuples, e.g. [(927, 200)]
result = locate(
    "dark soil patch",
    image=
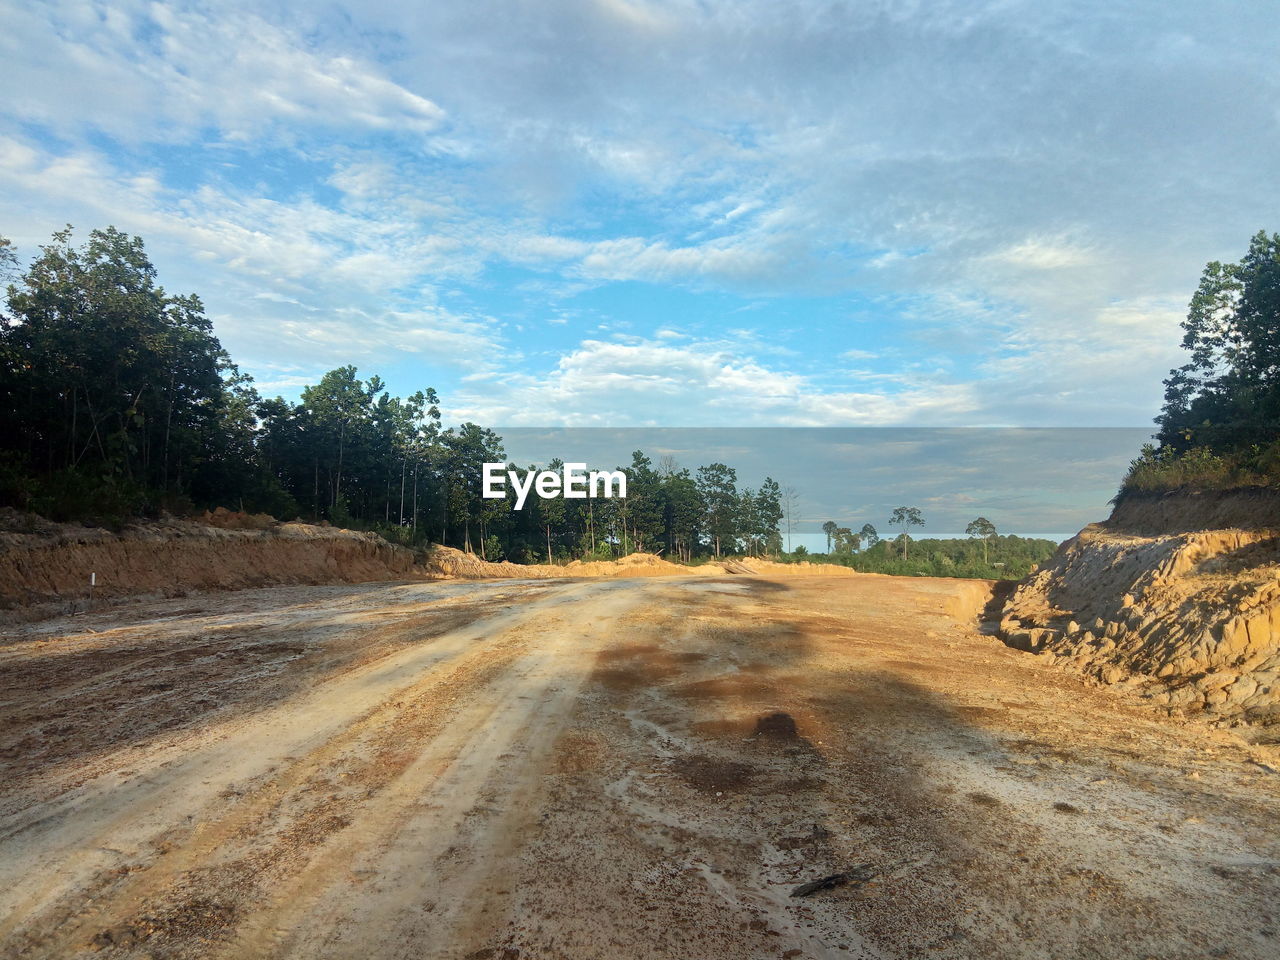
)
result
[(727, 687), (727, 729), (713, 775), (983, 800), (629, 651), (777, 726)]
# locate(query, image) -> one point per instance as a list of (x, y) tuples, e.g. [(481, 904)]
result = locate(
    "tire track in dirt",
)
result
[(299, 737), (438, 835)]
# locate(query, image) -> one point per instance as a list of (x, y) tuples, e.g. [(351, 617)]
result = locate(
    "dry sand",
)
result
[(607, 768)]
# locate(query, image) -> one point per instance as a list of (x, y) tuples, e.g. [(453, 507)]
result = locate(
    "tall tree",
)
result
[(905, 518), (981, 529), (108, 378), (1227, 395), (768, 514), (829, 528), (683, 513), (790, 504), (718, 488)]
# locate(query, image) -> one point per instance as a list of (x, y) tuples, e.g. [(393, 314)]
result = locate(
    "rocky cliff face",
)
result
[(1188, 618)]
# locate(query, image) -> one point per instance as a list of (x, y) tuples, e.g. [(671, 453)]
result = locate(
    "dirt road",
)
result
[(607, 769)]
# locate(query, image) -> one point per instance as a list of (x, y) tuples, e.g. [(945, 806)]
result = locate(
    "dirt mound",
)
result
[(746, 566), (237, 519), (446, 561), (632, 565), (1190, 619), (43, 563)]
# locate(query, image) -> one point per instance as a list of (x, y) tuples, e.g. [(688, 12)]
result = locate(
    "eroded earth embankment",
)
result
[(51, 564), (45, 567), (1152, 600)]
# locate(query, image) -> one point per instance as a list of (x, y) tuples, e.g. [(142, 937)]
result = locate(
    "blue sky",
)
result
[(687, 213)]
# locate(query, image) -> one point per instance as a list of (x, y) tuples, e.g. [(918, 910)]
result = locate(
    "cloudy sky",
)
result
[(668, 212)]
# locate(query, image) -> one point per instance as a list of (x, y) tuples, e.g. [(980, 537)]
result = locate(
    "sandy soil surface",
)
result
[(607, 769)]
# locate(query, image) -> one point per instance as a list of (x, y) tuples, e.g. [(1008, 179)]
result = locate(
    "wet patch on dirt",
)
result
[(713, 774)]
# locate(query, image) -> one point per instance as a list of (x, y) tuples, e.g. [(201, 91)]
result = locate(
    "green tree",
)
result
[(984, 530), (905, 518), (768, 513), (1227, 395), (829, 528), (846, 541), (111, 384), (718, 488), (869, 535), (643, 508), (553, 513), (683, 510)]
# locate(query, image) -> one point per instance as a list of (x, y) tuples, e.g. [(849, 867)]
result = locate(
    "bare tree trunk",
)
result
[(337, 484), (168, 422), (75, 410)]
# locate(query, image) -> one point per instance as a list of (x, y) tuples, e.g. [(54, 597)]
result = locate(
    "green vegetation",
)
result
[(1010, 558), (120, 402), (985, 555), (1220, 424)]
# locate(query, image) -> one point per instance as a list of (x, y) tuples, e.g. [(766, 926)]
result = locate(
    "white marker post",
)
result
[(93, 579)]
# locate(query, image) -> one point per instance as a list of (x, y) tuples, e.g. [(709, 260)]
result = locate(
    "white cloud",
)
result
[(1043, 189), (632, 258), (166, 71), (648, 382), (1044, 253)]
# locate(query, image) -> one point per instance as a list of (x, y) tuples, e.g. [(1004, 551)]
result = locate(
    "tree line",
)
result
[(1220, 422), (120, 401), (985, 553)]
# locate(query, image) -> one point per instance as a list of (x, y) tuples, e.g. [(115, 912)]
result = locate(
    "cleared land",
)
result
[(608, 768)]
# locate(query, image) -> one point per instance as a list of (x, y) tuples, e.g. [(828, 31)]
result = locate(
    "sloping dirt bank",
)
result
[(1247, 508), (45, 567), (1188, 618), (52, 563)]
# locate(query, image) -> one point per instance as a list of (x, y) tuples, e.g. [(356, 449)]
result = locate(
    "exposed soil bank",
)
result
[(45, 567), (1190, 618), (1249, 508), (53, 563)]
